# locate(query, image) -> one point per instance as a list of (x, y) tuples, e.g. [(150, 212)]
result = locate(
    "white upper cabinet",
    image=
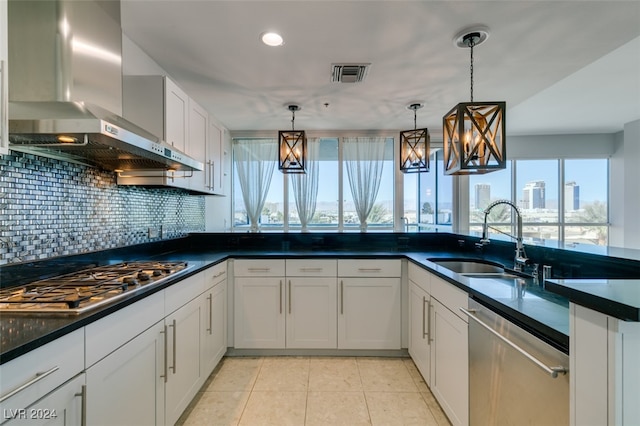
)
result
[(158, 105), (215, 158), (176, 116), (198, 141), (4, 85)]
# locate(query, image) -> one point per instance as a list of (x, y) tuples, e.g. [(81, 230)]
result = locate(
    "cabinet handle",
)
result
[(83, 405), (310, 269), (289, 297), (259, 269), (280, 296), (36, 379), (218, 274), (429, 305), (369, 269), (211, 172), (4, 107), (341, 297), (424, 302), (210, 299), (173, 368), (165, 375), (552, 371)]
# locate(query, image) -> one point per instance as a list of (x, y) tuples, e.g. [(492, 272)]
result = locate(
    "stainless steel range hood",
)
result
[(86, 133), (65, 88)]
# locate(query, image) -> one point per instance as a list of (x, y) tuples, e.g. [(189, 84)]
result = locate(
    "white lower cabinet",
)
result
[(27, 382), (420, 330), (369, 305), (604, 369), (182, 329), (259, 319), (277, 312), (213, 343), (311, 313), (450, 363), (369, 313), (127, 386), (438, 340), (62, 407)]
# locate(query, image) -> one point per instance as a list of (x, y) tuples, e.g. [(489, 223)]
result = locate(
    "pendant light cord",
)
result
[(471, 43), (293, 118), (415, 118)]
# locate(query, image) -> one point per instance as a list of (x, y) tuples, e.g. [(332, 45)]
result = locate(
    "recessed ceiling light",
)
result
[(272, 39)]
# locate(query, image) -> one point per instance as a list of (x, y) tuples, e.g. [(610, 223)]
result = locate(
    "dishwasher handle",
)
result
[(552, 371)]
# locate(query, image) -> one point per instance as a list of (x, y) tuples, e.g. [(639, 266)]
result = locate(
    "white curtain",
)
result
[(364, 159), (305, 186), (255, 161)]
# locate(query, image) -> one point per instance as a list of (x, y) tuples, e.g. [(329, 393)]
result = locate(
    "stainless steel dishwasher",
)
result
[(514, 377)]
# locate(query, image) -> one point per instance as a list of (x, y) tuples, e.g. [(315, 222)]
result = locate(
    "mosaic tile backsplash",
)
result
[(52, 208)]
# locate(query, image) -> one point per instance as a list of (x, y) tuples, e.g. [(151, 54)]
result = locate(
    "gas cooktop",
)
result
[(81, 291)]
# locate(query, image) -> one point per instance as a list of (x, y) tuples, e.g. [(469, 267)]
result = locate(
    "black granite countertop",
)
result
[(542, 312), (619, 298)]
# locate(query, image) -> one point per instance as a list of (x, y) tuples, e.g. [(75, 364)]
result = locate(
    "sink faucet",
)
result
[(405, 220), (520, 257)]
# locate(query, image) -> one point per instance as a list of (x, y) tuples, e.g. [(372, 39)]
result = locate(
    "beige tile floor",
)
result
[(314, 391)]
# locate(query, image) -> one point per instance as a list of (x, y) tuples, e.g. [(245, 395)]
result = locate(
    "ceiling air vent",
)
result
[(349, 73)]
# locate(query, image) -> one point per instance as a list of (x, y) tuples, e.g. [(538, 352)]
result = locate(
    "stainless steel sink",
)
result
[(469, 266), (492, 275)]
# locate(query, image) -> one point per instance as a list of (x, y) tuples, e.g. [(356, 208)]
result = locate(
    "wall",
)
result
[(52, 208), (624, 176)]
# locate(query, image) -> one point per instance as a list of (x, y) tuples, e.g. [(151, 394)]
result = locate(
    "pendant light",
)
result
[(414, 146), (293, 147), (474, 132)]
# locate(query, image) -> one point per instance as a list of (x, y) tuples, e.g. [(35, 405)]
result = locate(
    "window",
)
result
[(428, 197), (280, 210), (326, 215), (563, 200), (381, 215)]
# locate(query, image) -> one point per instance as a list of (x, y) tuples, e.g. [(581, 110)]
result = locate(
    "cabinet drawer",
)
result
[(183, 292), (419, 277), (109, 333), (450, 296), (62, 359), (312, 267), (215, 274), (369, 268), (259, 267)]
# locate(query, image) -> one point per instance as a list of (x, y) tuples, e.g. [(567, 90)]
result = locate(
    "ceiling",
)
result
[(561, 66)]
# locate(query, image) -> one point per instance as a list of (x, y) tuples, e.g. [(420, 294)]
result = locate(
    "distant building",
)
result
[(483, 195), (533, 195), (571, 196)]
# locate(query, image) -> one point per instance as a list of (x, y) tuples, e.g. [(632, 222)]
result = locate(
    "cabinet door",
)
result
[(127, 387), (198, 140), (259, 319), (176, 116), (312, 313), (450, 363), (62, 407), (213, 327), (215, 158), (369, 313), (419, 330), (183, 359)]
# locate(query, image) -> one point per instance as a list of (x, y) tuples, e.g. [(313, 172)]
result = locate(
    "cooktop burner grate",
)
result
[(77, 291)]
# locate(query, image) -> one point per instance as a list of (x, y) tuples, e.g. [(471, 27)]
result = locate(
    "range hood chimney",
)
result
[(65, 88)]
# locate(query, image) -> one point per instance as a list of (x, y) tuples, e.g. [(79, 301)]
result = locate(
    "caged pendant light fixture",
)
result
[(414, 146), (474, 132), (292, 147)]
